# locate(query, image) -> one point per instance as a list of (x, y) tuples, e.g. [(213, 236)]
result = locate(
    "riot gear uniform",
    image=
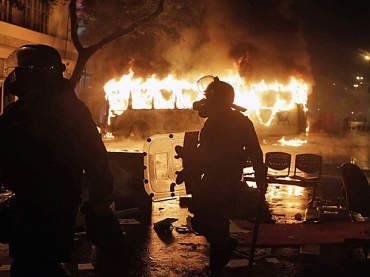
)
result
[(226, 140), (48, 139)]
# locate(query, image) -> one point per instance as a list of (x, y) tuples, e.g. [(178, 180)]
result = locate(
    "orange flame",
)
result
[(170, 93), (293, 142)]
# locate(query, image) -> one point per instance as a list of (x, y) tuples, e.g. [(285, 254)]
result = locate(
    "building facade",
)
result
[(34, 25)]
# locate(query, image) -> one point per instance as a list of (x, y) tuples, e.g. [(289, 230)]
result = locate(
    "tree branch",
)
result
[(133, 26), (84, 53)]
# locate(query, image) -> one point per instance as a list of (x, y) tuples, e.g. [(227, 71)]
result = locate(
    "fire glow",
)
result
[(173, 93), (292, 142)]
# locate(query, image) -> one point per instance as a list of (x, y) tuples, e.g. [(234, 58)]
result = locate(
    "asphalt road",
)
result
[(149, 253)]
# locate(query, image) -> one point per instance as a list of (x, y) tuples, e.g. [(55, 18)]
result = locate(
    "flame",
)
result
[(292, 142), (170, 93)]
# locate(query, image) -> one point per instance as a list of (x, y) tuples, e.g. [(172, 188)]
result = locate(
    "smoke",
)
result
[(261, 40)]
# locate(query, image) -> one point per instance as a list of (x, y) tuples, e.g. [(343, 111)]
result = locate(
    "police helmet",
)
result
[(217, 93), (220, 92), (32, 63)]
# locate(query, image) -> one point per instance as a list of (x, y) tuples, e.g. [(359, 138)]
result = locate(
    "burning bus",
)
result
[(139, 108)]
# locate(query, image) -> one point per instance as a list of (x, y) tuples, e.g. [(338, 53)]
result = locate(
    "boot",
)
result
[(21, 268), (220, 256)]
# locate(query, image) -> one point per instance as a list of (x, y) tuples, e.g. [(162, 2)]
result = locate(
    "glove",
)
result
[(103, 229), (261, 181), (5, 222), (262, 186), (181, 177)]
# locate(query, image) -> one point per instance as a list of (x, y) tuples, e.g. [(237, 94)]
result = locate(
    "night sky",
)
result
[(344, 22), (337, 35), (340, 25)]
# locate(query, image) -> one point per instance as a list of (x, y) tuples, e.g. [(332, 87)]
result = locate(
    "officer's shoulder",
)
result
[(240, 115), (244, 119), (11, 107)]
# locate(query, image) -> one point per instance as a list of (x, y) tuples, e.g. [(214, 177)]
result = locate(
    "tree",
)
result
[(110, 20)]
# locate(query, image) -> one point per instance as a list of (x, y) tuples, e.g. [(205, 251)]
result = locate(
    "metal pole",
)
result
[(2, 96), (255, 233)]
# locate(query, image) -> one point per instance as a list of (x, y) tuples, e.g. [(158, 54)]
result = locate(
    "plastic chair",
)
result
[(278, 164), (307, 167), (356, 189)]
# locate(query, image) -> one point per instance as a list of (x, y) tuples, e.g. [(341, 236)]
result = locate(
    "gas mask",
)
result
[(218, 95), (19, 81)]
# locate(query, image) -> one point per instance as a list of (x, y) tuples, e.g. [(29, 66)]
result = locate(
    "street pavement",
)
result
[(173, 253)]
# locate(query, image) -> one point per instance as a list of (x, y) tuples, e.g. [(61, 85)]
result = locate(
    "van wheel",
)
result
[(139, 130)]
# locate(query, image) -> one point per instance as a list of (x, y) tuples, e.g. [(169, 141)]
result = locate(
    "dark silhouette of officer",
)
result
[(226, 140), (48, 141)]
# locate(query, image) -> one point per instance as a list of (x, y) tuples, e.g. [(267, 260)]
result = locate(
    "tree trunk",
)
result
[(83, 56), (84, 53)]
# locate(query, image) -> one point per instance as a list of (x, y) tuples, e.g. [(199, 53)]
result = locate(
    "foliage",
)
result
[(96, 23)]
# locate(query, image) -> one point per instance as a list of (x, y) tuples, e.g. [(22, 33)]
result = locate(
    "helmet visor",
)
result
[(34, 58), (10, 63), (204, 82)]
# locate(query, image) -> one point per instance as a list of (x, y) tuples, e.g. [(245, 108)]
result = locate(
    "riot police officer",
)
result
[(48, 139), (226, 140)]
